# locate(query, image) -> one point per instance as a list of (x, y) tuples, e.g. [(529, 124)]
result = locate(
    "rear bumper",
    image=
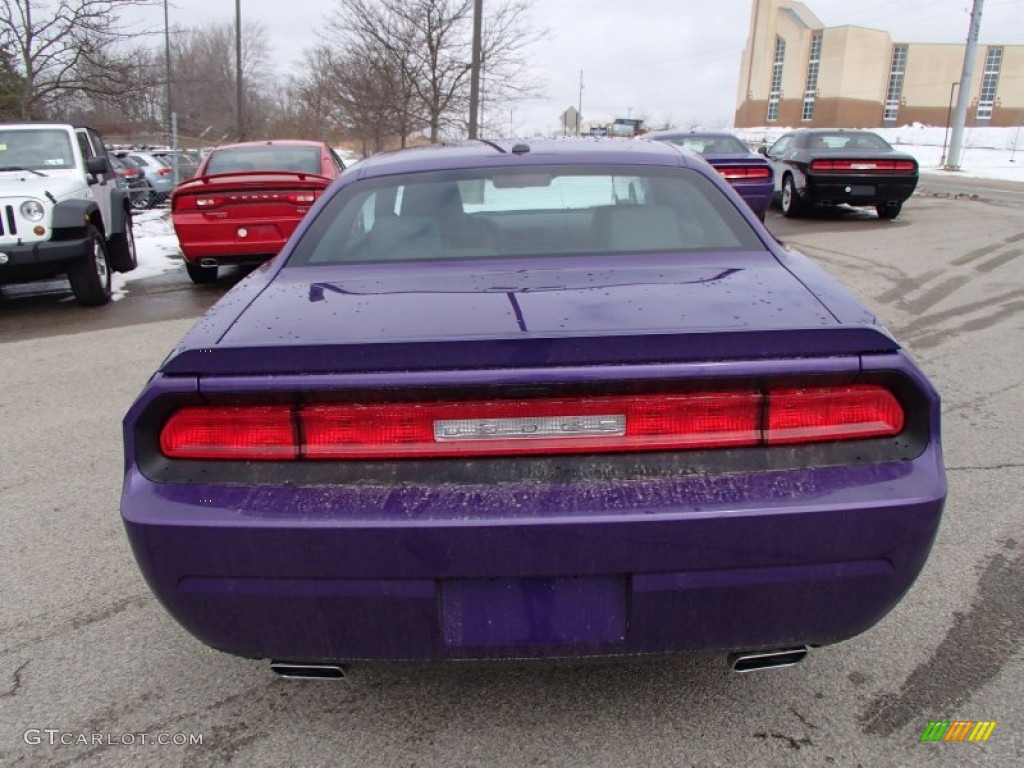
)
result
[(757, 196), (202, 235), (434, 573), (857, 190)]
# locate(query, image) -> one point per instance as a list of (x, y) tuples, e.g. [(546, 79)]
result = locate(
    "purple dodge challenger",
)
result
[(557, 399)]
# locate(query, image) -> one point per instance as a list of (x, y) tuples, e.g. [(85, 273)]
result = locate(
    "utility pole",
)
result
[(167, 61), (474, 72), (172, 119), (962, 99), (238, 70), (579, 109)]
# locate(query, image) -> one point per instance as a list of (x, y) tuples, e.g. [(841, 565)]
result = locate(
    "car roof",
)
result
[(533, 152), (831, 131), (271, 143), (673, 134)]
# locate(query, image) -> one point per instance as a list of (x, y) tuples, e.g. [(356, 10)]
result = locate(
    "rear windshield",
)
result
[(845, 141), (35, 149), (539, 211), (709, 145), (298, 159)]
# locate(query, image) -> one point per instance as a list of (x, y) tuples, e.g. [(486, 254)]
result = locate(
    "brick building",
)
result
[(797, 72)]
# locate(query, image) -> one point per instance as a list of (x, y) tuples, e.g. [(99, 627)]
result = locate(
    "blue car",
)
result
[(532, 400), (749, 173)]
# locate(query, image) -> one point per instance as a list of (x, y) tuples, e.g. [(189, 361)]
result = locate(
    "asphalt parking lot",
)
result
[(93, 671)]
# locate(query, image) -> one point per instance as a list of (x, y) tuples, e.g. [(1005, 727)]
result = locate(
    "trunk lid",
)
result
[(568, 311)]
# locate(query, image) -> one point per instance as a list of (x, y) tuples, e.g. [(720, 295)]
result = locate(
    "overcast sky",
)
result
[(674, 61)]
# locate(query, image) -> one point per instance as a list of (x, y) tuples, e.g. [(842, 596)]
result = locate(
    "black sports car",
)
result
[(831, 166)]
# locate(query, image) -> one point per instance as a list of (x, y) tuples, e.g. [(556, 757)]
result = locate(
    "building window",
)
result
[(989, 82), (895, 90), (776, 90), (812, 76)]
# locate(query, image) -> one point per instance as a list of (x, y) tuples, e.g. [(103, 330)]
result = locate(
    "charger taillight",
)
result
[(536, 426), (191, 202)]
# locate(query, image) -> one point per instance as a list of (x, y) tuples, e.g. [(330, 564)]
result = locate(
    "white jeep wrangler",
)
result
[(62, 210)]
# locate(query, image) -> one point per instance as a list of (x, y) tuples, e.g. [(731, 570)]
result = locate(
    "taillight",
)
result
[(197, 202), (302, 198), (248, 432), (615, 423), (831, 413), (163, 171), (746, 173), (870, 166), (547, 425)]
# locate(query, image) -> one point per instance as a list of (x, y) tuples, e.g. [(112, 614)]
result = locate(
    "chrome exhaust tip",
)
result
[(780, 657), (301, 671), (209, 263)]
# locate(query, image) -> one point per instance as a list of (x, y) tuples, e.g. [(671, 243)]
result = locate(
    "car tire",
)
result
[(790, 202), (123, 257), (200, 275), (90, 276), (889, 210), (139, 199)]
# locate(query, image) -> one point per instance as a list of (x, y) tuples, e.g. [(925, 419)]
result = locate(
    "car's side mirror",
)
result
[(762, 150), (97, 166)]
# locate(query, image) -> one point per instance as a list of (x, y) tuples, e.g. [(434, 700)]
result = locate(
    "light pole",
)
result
[(966, 75), (949, 118), (172, 123), (238, 69), (167, 61), (474, 73)]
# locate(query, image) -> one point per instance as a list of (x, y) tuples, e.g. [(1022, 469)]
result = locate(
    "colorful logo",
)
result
[(958, 730)]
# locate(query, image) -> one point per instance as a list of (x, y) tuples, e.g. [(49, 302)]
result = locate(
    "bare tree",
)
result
[(427, 43), (203, 78), (10, 88), (139, 105), (52, 41)]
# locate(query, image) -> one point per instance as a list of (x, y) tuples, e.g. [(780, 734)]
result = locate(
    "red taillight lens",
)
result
[(197, 202), (164, 171), (251, 432), (831, 413), (863, 166), (627, 423), (745, 173), (303, 198), (547, 425)]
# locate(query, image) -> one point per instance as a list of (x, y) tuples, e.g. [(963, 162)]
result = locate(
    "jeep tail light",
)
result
[(535, 426)]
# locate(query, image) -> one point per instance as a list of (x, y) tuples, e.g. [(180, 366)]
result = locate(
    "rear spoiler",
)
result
[(247, 176), (532, 351)]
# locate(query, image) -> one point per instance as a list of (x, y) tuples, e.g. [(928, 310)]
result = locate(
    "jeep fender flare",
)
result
[(119, 210), (73, 214)]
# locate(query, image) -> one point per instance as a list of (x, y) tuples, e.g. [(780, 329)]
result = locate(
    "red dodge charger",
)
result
[(246, 200)]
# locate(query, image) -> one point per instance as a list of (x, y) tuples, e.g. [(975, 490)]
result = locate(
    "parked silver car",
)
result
[(159, 176)]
